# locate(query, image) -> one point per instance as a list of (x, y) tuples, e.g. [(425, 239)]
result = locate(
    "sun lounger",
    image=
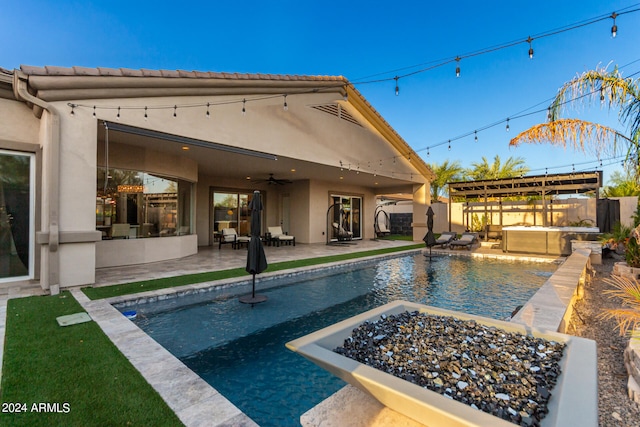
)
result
[(466, 241), (445, 238)]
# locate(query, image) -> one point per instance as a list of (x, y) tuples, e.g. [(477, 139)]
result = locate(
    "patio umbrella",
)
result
[(429, 238), (256, 259)]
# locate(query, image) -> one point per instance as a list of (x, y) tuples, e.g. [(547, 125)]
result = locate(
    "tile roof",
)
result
[(144, 72)]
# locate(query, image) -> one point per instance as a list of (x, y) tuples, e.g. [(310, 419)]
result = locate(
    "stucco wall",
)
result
[(18, 123), (560, 213)]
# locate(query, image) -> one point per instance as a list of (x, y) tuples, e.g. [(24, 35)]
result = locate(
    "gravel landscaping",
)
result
[(615, 407)]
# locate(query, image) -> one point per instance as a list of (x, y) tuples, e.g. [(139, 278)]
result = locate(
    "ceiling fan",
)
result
[(274, 181)]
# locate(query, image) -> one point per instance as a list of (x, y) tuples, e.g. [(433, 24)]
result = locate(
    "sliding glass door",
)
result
[(348, 213), (17, 210), (230, 209)]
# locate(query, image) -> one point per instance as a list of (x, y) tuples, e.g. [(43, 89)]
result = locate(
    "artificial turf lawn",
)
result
[(77, 365), (188, 279)]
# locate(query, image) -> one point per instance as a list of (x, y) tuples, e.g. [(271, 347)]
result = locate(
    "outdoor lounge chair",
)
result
[(445, 238), (278, 236), (465, 241), (341, 233), (229, 235)]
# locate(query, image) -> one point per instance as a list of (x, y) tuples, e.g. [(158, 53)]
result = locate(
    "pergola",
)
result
[(543, 186)]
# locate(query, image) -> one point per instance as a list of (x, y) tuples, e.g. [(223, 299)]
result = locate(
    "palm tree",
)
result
[(621, 185), (514, 166), (612, 91), (445, 172)]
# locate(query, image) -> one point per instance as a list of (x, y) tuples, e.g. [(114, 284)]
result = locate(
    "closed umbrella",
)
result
[(256, 259), (429, 238)]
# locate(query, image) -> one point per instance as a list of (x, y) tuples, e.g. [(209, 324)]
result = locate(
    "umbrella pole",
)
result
[(253, 291)]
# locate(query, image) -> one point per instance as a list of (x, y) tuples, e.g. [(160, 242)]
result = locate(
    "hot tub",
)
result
[(544, 240)]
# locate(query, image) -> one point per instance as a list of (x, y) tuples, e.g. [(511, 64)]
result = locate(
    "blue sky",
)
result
[(364, 41)]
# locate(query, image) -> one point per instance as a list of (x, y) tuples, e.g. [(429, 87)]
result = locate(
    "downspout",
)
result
[(21, 92)]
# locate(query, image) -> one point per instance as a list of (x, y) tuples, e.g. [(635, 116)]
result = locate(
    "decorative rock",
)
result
[(481, 366)]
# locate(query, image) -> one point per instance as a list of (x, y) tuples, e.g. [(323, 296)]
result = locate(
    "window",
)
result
[(132, 204), (17, 209)]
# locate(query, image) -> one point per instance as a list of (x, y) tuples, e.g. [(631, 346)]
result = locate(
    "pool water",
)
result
[(240, 350)]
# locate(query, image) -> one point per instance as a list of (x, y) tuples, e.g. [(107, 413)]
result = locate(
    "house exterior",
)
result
[(103, 167)]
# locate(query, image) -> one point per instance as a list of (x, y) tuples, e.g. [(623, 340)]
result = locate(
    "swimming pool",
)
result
[(240, 350)]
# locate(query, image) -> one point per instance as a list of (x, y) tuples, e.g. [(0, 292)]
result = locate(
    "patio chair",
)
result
[(465, 241), (229, 235), (278, 236), (445, 238), (341, 233)]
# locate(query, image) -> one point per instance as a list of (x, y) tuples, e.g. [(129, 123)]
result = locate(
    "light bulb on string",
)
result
[(548, 113), (475, 138), (73, 106), (457, 66), (507, 128), (397, 87), (614, 28), (118, 115), (207, 114), (244, 110), (428, 153), (529, 40), (175, 111), (449, 148), (146, 116), (285, 107), (94, 111)]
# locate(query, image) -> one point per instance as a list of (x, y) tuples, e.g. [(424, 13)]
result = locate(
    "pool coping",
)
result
[(195, 402)]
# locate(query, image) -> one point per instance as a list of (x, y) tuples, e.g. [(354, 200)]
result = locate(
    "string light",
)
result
[(549, 113), (397, 87), (118, 115), (145, 113), (475, 138), (175, 111), (285, 106), (207, 114), (570, 27), (94, 111), (73, 106), (449, 145), (529, 40), (508, 125), (244, 110)]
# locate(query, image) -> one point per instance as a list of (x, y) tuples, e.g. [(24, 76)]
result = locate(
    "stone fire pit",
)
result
[(417, 360)]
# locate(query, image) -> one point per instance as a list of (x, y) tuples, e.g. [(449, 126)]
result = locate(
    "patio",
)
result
[(214, 259)]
